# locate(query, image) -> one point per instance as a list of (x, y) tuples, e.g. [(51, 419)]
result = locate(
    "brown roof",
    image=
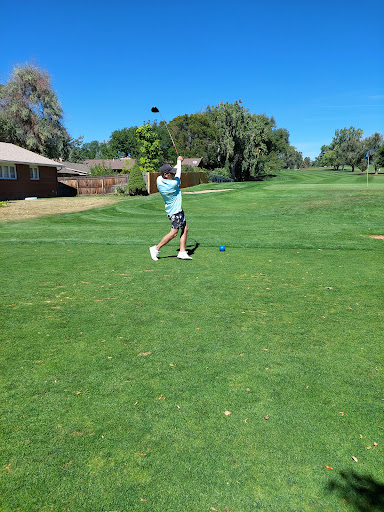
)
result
[(75, 168), (193, 162), (14, 154), (116, 165)]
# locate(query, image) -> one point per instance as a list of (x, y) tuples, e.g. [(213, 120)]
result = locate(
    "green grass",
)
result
[(117, 371)]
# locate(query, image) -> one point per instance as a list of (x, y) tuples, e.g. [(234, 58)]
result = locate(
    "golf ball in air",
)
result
[(222, 247)]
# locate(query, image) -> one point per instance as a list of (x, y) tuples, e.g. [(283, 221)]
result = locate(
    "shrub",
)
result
[(101, 170), (121, 191), (219, 178), (190, 168), (136, 184), (223, 171)]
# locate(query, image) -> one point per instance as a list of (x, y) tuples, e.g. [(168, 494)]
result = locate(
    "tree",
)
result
[(102, 170), (136, 184), (31, 115), (329, 157), (350, 148), (167, 149), (307, 162), (371, 145), (246, 141), (150, 149), (379, 160), (198, 136), (124, 143), (3, 124), (230, 119), (346, 148), (105, 151), (75, 152), (292, 159)]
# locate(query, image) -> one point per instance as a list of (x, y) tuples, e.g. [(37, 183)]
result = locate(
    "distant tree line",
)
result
[(231, 140), (348, 148)]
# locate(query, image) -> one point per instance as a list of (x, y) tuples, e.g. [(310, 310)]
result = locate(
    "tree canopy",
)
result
[(31, 115), (374, 143), (124, 142), (380, 157), (349, 148), (150, 149), (198, 136), (249, 144)]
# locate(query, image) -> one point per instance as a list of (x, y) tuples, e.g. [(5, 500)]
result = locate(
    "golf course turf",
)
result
[(244, 380)]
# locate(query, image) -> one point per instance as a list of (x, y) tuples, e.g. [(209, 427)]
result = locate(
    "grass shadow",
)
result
[(362, 492), (190, 249)]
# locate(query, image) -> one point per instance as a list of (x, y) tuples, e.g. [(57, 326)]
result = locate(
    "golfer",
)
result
[(168, 185)]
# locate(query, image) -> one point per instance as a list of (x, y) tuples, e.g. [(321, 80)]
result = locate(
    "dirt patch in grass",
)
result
[(16, 210), (378, 237), (207, 191)]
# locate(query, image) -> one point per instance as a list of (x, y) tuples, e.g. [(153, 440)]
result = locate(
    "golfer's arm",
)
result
[(178, 169)]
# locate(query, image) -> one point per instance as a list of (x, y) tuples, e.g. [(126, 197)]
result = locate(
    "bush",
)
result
[(101, 170), (362, 165), (121, 191), (219, 178), (136, 184), (190, 168)]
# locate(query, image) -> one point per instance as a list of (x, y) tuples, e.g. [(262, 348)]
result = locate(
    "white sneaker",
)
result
[(154, 253), (183, 256)]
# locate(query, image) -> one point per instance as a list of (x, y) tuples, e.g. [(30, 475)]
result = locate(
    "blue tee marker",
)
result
[(222, 248)]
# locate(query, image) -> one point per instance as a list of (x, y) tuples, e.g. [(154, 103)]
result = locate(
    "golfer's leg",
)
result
[(167, 238), (183, 238)]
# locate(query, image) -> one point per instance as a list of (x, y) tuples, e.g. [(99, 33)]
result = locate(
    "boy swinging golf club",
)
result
[(168, 185)]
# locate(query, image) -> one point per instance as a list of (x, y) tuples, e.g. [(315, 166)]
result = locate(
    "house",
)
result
[(192, 162), (73, 169), (116, 165), (24, 173)]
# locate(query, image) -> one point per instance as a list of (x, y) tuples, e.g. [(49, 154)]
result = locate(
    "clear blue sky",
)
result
[(313, 66)]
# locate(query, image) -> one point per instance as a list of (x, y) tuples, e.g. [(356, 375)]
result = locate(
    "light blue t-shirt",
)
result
[(170, 192)]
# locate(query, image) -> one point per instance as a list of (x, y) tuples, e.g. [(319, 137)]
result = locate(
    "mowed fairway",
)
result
[(244, 380)]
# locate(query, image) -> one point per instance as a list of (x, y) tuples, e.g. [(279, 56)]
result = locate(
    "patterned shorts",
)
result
[(178, 220)]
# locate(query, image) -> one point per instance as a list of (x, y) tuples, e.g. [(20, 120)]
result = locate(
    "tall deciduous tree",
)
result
[(346, 148), (198, 136), (350, 147), (124, 143), (31, 115), (150, 149), (372, 144), (248, 143), (380, 157), (292, 158), (168, 153)]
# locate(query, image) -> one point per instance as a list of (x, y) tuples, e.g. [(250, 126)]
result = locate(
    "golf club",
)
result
[(156, 110)]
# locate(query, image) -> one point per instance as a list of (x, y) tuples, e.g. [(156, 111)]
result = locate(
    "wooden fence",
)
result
[(90, 185)]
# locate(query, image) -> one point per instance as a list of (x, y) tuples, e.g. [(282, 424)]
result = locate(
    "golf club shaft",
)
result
[(165, 122), (173, 142)]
